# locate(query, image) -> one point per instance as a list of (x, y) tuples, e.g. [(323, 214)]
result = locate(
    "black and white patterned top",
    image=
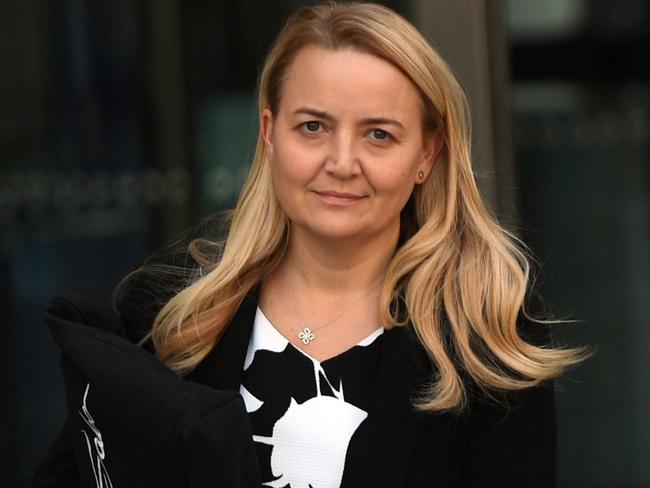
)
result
[(304, 412)]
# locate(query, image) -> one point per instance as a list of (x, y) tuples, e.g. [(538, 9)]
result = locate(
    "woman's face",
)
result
[(346, 144)]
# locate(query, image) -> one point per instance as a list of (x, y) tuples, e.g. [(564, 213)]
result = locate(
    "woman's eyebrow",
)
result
[(381, 121), (367, 121), (316, 113)]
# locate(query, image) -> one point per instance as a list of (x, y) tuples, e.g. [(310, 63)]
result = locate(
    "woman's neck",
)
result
[(337, 267)]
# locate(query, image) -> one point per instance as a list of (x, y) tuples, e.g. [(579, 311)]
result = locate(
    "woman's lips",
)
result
[(336, 198)]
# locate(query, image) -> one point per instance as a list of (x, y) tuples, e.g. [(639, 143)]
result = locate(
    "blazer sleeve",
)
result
[(512, 443), (513, 446)]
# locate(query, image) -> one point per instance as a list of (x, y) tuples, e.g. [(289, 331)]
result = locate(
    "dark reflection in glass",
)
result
[(72, 207), (581, 101)]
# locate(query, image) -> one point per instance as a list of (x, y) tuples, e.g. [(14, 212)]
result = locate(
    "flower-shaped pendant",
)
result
[(306, 335)]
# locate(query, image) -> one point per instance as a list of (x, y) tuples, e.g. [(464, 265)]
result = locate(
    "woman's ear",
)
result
[(432, 145), (266, 130)]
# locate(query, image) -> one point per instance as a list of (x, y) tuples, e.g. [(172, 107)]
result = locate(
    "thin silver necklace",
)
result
[(308, 334)]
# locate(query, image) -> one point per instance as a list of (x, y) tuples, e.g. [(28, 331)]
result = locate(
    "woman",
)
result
[(365, 304)]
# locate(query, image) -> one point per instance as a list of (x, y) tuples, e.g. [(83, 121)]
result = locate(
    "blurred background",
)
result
[(123, 122)]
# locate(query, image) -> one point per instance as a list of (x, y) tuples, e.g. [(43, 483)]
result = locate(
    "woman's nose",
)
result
[(343, 159)]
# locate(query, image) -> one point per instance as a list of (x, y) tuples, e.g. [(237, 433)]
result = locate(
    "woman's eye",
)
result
[(380, 135), (312, 126)]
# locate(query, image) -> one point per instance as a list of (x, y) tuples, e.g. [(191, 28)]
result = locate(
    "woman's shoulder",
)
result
[(142, 293), (532, 327)]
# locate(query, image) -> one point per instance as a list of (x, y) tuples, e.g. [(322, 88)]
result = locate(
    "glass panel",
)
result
[(73, 199), (581, 105)]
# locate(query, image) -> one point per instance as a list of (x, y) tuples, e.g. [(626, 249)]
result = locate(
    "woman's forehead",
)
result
[(347, 81)]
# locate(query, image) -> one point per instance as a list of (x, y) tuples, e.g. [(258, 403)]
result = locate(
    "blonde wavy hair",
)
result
[(460, 278)]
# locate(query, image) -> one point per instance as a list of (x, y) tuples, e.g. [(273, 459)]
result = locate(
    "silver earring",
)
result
[(421, 175)]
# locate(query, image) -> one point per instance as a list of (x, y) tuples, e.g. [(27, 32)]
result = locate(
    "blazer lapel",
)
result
[(380, 450), (223, 367)]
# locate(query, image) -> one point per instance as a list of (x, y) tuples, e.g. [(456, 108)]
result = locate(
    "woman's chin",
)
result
[(333, 232)]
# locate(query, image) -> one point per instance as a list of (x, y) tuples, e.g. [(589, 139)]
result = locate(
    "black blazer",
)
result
[(486, 446)]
